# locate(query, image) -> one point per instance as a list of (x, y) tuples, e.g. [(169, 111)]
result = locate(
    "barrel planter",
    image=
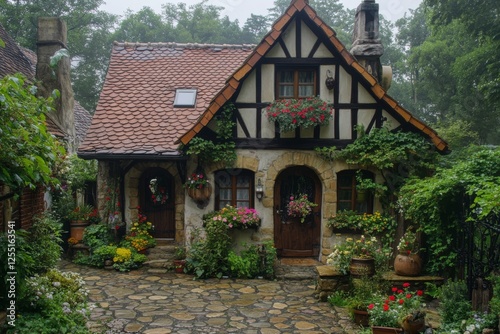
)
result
[(362, 267)]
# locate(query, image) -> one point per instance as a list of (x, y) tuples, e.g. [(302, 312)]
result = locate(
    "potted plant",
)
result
[(234, 218), (355, 256), (403, 307), (139, 237), (79, 220), (363, 291), (408, 261), (198, 186), (179, 259), (300, 207), (293, 113)]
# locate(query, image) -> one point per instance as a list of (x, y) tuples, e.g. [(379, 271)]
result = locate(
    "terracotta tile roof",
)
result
[(268, 42), (135, 114)]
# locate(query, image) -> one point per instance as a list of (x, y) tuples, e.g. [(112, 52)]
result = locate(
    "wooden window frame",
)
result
[(352, 187), (234, 173), (296, 71)]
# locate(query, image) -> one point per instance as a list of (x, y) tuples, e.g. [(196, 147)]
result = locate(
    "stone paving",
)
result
[(158, 301)]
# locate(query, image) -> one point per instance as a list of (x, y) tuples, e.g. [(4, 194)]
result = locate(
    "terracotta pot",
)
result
[(179, 266), (362, 267), (407, 265), (361, 317), (413, 326), (386, 330), (77, 228), (200, 195)]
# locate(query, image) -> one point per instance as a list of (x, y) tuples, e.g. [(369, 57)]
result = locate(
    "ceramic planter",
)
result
[(361, 317), (408, 265), (77, 228), (362, 267)]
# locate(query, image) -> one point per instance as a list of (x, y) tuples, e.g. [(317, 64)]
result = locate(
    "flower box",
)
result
[(293, 113)]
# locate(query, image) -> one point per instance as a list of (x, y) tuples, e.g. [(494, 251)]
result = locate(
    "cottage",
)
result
[(158, 98)]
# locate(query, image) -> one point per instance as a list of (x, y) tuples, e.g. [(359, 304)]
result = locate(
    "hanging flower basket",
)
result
[(300, 207), (200, 195), (291, 113)]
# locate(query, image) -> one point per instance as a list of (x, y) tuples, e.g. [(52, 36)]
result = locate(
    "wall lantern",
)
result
[(330, 81), (259, 190)]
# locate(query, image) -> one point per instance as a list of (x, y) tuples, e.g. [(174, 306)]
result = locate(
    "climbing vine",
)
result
[(223, 148)]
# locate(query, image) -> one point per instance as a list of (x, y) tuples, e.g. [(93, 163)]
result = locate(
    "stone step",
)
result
[(166, 264), (162, 252), (296, 269)]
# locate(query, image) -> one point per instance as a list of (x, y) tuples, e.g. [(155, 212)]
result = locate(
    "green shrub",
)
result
[(245, 265), (454, 303), (45, 239), (97, 235), (208, 256), (24, 263), (270, 256), (338, 298)]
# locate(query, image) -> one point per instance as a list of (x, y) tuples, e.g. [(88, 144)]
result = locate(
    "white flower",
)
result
[(56, 284)]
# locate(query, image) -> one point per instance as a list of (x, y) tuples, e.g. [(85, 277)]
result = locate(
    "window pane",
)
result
[(225, 194), (242, 181), (345, 195), (344, 181), (242, 194), (223, 180), (306, 77), (305, 91), (286, 77), (286, 91), (243, 204), (343, 206)]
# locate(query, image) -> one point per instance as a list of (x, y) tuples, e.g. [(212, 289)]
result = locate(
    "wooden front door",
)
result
[(291, 237), (160, 211)]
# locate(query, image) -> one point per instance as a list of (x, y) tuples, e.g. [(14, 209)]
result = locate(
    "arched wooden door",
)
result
[(160, 211), (291, 237)]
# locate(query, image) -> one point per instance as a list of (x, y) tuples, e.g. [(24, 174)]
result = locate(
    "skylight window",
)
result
[(185, 98)]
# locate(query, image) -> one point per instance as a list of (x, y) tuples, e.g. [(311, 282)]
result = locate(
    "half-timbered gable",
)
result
[(158, 97)]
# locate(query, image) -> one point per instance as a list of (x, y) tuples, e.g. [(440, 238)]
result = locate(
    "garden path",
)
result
[(158, 301)]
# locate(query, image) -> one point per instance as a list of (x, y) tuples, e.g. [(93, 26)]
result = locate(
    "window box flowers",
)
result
[(293, 113), (235, 218), (300, 207)]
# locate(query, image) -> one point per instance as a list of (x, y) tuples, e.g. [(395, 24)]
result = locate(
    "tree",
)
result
[(201, 23), (478, 68), (28, 152), (143, 26)]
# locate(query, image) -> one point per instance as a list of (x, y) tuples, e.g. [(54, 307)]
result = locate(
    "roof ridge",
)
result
[(184, 45)]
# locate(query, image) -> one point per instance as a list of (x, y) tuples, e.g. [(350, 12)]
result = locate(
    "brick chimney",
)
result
[(366, 44), (52, 37)]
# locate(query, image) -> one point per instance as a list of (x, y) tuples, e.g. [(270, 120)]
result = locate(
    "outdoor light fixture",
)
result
[(330, 81), (259, 190)]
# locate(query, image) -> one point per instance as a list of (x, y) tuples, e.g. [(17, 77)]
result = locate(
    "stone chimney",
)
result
[(366, 44), (52, 37)]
